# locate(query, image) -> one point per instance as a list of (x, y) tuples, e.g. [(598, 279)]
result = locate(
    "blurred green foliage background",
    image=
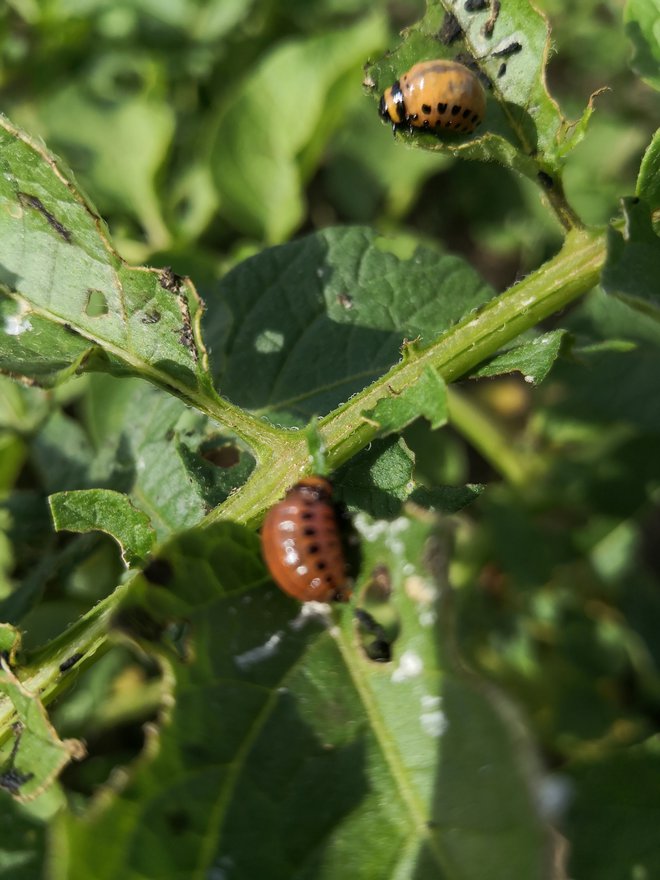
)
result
[(203, 131)]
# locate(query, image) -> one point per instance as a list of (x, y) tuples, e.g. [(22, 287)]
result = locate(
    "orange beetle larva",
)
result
[(435, 95), (302, 546)]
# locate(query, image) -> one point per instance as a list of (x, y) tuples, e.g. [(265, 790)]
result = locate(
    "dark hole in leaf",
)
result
[(159, 571), (222, 456), (375, 642), (138, 623)]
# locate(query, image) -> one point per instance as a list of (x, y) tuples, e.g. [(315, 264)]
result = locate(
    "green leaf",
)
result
[(624, 381), (276, 111), (125, 136), (10, 639), (174, 463), (613, 323), (103, 510), (287, 747), (613, 797), (23, 842), (446, 499), (73, 304), (358, 177), (523, 128), (533, 359), (641, 23), (427, 397), (62, 454), (26, 524), (381, 478), (632, 268), (35, 347), (648, 179), (378, 479), (303, 326), (38, 754)]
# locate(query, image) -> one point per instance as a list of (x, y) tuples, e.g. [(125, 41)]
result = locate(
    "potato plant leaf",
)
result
[(613, 792), (641, 24), (23, 841), (648, 179), (287, 747), (37, 755), (261, 189), (427, 397), (103, 510), (632, 269), (304, 325), (533, 359), (508, 45), (69, 302)]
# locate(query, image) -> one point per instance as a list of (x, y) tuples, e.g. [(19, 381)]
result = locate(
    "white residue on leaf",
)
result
[(256, 655), (433, 723), (529, 380), (554, 796), (369, 530), (392, 541), (16, 324), (269, 341), (410, 666), (427, 617), (373, 530), (318, 611)]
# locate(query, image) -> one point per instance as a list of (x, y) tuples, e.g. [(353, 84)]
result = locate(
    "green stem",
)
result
[(43, 676), (554, 192), (284, 456), (482, 432), (572, 272), (345, 431)]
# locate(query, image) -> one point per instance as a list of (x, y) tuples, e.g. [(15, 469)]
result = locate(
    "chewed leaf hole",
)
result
[(97, 304), (225, 456)]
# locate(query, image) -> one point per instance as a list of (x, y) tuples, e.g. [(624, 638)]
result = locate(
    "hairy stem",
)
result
[(285, 457)]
